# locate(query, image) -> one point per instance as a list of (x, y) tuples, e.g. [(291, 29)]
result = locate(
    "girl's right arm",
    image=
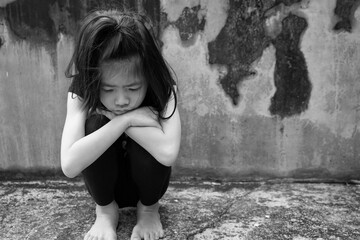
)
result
[(79, 151)]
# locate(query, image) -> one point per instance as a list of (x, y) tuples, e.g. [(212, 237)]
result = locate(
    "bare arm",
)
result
[(162, 143), (79, 151)]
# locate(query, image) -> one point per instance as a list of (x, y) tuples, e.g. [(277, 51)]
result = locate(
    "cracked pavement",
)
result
[(191, 209)]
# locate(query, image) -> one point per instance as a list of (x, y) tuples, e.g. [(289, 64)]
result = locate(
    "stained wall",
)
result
[(267, 88)]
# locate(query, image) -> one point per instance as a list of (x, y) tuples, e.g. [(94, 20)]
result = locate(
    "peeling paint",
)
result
[(239, 44), (174, 8), (213, 13), (275, 16), (293, 87), (189, 23), (31, 23), (345, 11)]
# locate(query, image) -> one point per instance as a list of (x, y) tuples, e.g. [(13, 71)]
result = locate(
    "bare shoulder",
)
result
[(74, 104), (74, 123), (75, 115)]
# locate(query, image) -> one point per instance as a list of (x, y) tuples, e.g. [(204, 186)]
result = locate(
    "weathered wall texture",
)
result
[(267, 88)]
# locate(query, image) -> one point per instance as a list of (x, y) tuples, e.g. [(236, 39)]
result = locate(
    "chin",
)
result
[(118, 113)]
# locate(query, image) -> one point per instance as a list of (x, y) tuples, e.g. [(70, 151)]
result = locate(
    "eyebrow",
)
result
[(133, 84), (128, 85), (107, 85)]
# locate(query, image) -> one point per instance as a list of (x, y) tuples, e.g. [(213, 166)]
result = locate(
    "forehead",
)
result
[(121, 71)]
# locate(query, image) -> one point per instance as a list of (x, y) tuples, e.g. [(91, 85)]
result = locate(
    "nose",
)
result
[(122, 100)]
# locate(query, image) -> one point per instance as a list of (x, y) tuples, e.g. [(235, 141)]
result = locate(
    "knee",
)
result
[(142, 161), (94, 122), (138, 155)]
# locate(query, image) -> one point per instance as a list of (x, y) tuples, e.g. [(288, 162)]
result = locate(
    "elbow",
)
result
[(67, 169), (168, 157)]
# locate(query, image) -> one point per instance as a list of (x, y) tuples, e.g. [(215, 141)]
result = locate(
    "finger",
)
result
[(154, 236), (161, 233), (147, 236)]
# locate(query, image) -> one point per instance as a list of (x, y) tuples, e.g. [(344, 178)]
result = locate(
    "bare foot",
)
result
[(105, 224), (148, 226)]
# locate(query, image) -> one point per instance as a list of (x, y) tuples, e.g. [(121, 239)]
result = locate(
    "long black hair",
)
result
[(108, 35)]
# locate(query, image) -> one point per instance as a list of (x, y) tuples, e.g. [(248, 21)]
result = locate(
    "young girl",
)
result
[(122, 128)]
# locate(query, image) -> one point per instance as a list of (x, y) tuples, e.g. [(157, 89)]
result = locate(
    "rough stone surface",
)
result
[(61, 209)]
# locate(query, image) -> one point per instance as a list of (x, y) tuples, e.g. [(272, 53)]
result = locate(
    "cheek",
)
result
[(142, 94), (102, 98), (105, 99), (139, 97)]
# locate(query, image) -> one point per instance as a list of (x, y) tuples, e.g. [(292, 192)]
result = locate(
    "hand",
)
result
[(143, 117)]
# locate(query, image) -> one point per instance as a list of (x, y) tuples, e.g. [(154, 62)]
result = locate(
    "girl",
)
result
[(122, 128)]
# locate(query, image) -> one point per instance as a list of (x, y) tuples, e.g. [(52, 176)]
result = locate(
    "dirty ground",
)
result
[(192, 209)]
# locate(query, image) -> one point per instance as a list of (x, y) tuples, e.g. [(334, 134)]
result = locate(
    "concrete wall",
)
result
[(267, 88)]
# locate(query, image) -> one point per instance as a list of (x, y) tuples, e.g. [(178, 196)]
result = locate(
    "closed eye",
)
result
[(107, 89), (133, 89)]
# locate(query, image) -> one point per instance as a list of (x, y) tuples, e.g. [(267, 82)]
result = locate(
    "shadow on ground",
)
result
[(62, 209)]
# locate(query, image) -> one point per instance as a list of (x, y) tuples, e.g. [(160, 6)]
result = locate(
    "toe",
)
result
[(135, 236), (161, 234), (147, 236), (152, 236)]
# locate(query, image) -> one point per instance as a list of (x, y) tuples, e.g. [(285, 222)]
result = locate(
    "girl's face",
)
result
[(122, 88)]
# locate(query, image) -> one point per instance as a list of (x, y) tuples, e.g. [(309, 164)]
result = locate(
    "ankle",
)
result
[(111, 208), (152, 208)]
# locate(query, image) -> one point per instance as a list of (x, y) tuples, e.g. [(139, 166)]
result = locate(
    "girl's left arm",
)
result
[(163, 144)]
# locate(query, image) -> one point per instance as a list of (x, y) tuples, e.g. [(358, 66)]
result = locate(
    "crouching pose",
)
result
[(122, 129)]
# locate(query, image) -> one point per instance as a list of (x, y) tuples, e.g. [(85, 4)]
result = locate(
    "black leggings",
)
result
[(125, 172)]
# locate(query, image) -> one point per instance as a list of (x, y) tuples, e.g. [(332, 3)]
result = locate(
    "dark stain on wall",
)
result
[(345, 10), (40, 21), (293, 87), (189, 23), (2, 41), (66, 15), (287, 2), (243, 40), (31, 21), (240, 42)]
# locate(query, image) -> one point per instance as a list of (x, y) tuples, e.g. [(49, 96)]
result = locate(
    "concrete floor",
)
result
[(62, 209)]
